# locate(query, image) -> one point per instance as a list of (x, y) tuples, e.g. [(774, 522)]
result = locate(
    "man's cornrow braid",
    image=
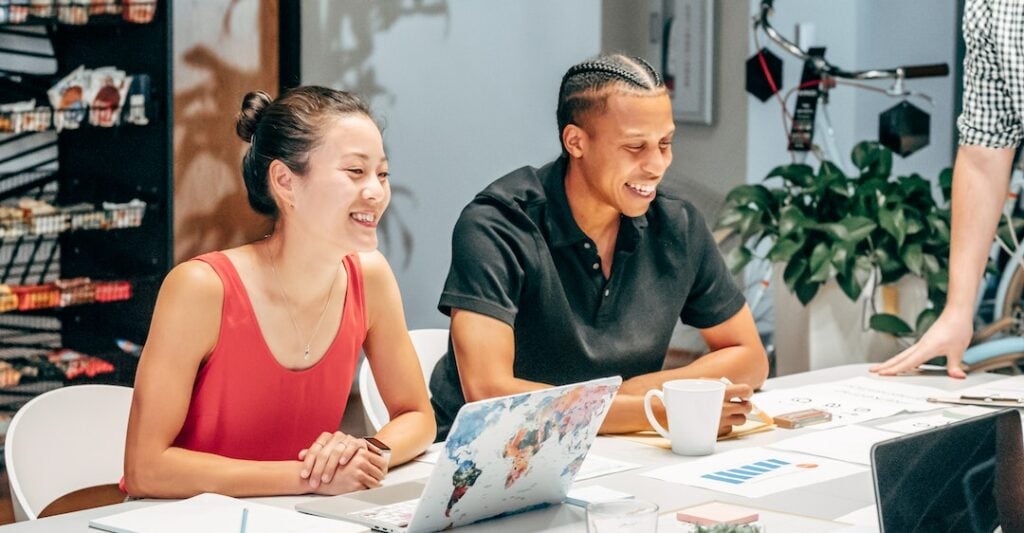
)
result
[(654, 73), (594, 66)]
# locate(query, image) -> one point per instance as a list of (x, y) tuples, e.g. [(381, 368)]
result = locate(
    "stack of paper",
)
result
[(217, 513), (850, 401)]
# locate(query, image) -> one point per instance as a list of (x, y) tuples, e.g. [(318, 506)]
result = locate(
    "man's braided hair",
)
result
[(583, 86)]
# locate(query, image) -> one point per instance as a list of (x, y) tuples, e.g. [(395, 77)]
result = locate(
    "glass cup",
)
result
[(622, 516)]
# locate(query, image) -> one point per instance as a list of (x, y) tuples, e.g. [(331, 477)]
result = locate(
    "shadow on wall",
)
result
[(354, 23), (211, 209)]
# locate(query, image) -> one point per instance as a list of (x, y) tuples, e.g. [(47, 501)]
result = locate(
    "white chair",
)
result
[(65, 440), (430, 344)]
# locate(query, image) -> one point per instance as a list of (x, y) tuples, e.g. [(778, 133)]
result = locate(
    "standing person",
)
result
[(582, 268), (990, 126), (252, 351)]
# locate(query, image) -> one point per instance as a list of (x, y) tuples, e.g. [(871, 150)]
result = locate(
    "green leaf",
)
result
[(821, 263), (729, 218), (737, 258), (925, 320), (939, 225), (914, 224), (913, 257), (946, 184), (849, 230), (791, 218), (893, 222), (753, 196), (798, 174), (794, 270), (784, 250), (805, 292), (828, 169), (852, 283), (864, 154), (891, 324)]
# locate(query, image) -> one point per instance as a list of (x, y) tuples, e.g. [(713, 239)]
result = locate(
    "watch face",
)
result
[(378, 444)]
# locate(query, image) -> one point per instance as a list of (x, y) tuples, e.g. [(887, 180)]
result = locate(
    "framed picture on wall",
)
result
[(687, 54)]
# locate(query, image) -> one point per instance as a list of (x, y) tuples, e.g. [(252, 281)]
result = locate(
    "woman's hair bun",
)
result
[(253, 106)]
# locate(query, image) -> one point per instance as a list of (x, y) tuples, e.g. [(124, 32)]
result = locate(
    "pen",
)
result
[(245, 518), (992, 398)]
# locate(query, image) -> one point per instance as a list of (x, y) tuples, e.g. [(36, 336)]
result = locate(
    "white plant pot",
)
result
[(832, 330)]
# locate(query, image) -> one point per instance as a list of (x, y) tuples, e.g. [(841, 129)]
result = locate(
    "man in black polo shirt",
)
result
[(581, 269)]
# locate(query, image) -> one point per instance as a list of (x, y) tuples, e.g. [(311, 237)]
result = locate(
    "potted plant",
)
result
[(872, 228)]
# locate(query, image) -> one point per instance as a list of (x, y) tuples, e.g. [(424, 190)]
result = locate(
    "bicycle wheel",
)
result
[(1011, 301)]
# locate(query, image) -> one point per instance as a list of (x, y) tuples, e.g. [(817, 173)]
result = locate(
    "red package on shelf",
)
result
[(74, 364), (112, 291), (36, 296)]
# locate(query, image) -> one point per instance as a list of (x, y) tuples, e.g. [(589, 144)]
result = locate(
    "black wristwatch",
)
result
[(385, 451)]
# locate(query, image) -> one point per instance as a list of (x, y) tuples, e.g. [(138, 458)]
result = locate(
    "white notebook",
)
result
[(214, 512)]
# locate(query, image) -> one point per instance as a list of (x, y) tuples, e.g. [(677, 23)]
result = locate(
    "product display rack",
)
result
[(87, 166)]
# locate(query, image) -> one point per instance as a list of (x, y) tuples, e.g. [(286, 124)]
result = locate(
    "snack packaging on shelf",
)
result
[(13, 11), (76, 291), (75, 364), (138, 95), (36, 296), (8, 300), (108, 90), (138, 11), (41, 8), (126, 215), (68, 100), (112, 291), (9, 376), (74, 12), (25, 116)]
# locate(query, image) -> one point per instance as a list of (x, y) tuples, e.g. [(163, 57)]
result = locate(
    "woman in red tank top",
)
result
[(252, 351)]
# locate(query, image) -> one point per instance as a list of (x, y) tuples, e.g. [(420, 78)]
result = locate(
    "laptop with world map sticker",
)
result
[(503, 455)]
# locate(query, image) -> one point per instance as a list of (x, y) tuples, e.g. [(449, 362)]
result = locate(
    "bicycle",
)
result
[(799, 128)]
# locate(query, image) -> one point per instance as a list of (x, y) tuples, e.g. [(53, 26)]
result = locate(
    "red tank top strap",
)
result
[(354, 267)]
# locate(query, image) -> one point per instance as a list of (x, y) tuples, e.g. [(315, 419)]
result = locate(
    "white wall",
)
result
[(466, 91), (861, 34), (891, 34)]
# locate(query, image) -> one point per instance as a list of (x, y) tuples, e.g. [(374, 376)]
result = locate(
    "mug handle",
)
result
[(650, 413)]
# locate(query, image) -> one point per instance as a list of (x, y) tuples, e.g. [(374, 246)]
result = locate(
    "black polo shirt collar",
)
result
[(562, 228)]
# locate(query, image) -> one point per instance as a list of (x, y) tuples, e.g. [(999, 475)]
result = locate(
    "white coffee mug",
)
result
[(694, 409)]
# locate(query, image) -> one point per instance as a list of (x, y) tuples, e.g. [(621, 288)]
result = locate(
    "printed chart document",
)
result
[(850, 443), (215, 512), (850, 401), (754, 472)]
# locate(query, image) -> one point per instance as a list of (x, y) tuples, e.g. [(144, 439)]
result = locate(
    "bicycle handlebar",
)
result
[(925, 71), (828, 69)]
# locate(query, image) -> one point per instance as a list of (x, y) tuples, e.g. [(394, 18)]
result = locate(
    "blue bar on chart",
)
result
[(740, 474)]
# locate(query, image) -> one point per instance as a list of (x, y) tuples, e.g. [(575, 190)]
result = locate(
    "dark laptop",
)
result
[(965, 477)]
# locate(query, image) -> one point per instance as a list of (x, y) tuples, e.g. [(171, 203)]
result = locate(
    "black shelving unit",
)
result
[(90, 165)]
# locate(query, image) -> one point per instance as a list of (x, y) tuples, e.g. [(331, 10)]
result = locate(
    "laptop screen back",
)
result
[(967, 476)]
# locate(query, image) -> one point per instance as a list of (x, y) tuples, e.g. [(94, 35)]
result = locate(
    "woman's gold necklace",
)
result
[(288, 302)]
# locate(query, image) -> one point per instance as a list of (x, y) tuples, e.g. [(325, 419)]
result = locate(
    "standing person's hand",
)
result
[(949, 336)]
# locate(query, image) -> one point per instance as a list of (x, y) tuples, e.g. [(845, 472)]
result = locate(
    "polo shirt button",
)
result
[(607, 292), (597, 266), (586, 245)]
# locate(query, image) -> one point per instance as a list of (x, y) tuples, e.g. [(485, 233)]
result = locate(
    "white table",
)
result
[(825, 501)]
